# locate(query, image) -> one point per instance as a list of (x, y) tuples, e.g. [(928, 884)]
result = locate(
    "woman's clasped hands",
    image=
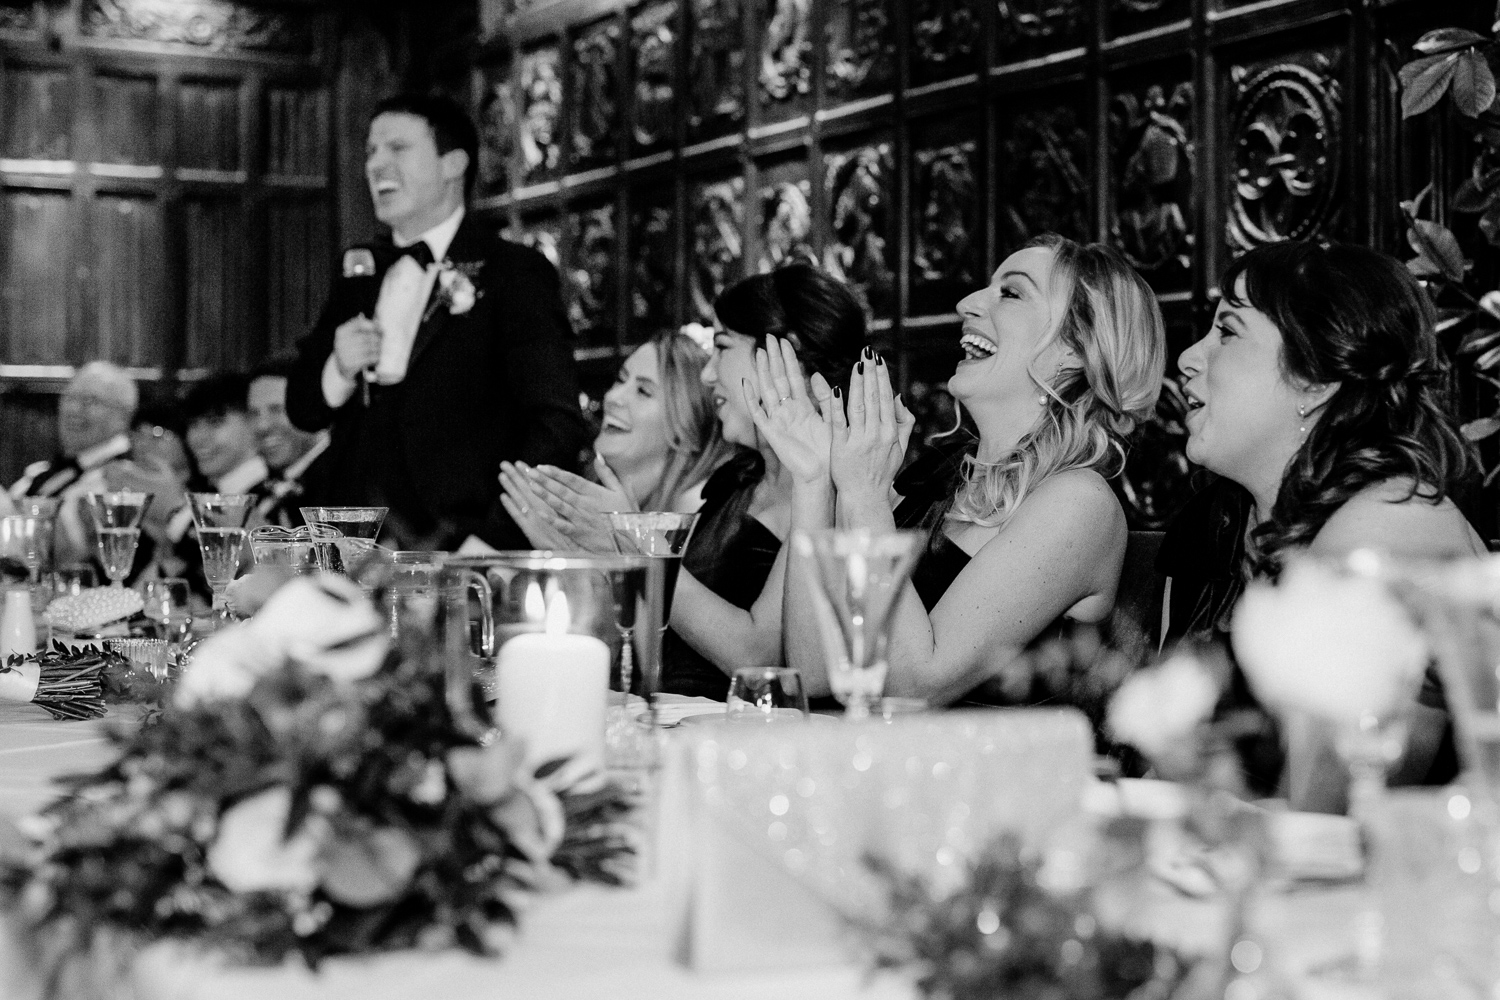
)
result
[(856, 443), (562, 511)]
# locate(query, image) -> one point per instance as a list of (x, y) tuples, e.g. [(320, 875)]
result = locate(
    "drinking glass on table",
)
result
[(167, 603), (766, 694), (662, 535), (117, 530), (357, 526), (219, 519)]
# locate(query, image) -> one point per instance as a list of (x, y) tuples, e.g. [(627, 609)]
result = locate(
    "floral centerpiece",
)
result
[(310, 794)]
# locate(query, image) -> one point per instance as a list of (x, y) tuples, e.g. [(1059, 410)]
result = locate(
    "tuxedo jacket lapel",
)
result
[(462, 250)]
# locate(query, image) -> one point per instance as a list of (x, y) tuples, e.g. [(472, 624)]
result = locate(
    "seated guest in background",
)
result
[(657, 446), (726, 612), (220, 435), (1319, 396), (1064, 355), (93, 424), (458, 359), (157, 438), (290, 453)]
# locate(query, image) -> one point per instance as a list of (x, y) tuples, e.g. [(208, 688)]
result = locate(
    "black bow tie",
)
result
[(419, 252)]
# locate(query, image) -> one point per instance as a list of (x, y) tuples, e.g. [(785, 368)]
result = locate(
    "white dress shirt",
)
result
[(404, 292)]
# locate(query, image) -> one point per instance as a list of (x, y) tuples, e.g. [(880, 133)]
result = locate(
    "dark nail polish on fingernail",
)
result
[(860, 367), (880, 360), (838, 393)]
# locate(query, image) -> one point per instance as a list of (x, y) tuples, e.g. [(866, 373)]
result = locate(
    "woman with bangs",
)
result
[(1064, 355), (1320, 398)]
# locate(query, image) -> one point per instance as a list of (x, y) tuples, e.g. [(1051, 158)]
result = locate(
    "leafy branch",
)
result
[(1460, 65)]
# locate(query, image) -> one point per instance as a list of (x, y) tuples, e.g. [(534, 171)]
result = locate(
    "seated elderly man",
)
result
[(93, 423)]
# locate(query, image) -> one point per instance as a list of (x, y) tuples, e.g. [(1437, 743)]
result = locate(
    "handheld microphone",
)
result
[(359, 270)]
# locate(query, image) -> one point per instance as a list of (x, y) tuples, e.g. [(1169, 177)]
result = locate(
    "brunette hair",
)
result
[(452, 128), (1356, 318), (695, 446), (1112, 327), (806, 306)]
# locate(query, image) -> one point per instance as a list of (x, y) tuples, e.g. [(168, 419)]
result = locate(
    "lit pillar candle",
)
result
[(551, 690)]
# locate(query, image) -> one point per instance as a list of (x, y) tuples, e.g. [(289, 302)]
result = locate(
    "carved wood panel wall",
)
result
[(910, 146), (165, 192)]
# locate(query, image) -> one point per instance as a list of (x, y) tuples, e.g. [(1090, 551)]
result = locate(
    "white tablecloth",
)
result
[(585, 943)]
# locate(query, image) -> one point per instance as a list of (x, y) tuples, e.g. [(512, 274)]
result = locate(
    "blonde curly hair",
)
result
[(1113, 329)]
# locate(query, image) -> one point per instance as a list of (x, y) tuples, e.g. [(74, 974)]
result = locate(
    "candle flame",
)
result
[(535, 605), (558, 616)]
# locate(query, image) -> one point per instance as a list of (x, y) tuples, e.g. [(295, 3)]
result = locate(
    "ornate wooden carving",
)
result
[(944, 34), (1043, 175), (541, 102), (652, 261), (591, 271), (654, 41), (1152, 144), (1286, 144), (860, 210), (501, 163), (861, 46), (945, 217), (716, 67), (718, 218), (595, 111), (786, 49), (20, 20), (1035, 25), (216, 25), (785, 224)]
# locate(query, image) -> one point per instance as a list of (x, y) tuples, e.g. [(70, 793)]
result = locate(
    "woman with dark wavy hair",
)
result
[(1320, 398)]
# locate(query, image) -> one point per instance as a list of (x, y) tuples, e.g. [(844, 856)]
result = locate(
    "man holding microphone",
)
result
[(439, 354)]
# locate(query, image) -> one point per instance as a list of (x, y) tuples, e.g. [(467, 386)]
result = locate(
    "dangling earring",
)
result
[(1302, 415)]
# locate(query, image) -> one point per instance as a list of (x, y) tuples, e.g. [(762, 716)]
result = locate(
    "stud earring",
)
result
[(1041, 399)]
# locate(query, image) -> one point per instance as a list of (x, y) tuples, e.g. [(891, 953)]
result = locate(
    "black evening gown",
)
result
[(730, 553)]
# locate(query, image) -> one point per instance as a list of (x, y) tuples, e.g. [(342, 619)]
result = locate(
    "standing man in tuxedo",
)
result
[(459, 360)]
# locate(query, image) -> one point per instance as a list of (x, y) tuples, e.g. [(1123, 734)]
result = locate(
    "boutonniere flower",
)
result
[(455, 288)]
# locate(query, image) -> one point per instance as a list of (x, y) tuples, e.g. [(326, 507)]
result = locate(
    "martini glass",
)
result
[(117, 530), (856, 577), (662, 535), (220, 521), (358, 527)]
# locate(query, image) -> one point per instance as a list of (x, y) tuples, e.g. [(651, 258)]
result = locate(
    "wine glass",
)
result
[(766, 694), (117, 530), (856, 576), (168, 604), (219, 519)]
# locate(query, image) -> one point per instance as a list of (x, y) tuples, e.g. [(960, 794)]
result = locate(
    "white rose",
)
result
[(250, 855), (323, 622), (1158, 708), (462, 298), (1332, 644)]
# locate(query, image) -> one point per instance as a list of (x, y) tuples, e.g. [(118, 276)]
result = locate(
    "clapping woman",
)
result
[(1319, 397), (1064, 352), (727, 609), (657, 446)]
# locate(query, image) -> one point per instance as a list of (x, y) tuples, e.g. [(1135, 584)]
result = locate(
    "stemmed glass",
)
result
[(358, 527), (167, 604), (219, 519), (856, 576), (117, 530), (662, 535)]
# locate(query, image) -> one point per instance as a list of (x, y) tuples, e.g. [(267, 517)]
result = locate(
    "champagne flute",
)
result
[(117, 530), (662, 535), (220, 522)]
